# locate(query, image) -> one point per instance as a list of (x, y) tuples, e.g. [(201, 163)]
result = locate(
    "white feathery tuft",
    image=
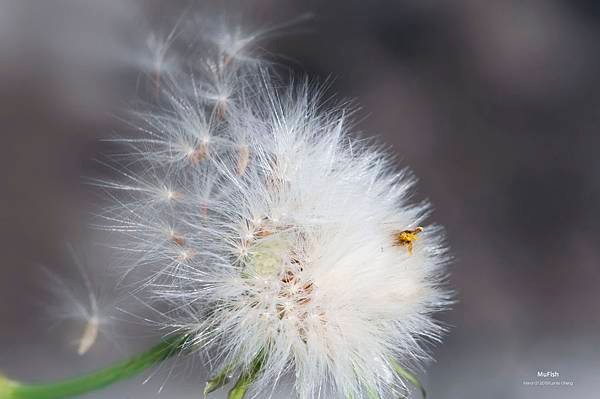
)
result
[(272, 231), (79, 301)]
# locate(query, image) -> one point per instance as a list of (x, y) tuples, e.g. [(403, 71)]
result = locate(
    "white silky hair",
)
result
[(246, 204), (81, 300)]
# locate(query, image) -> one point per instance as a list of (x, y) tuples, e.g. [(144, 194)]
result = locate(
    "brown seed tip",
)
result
[(199, 154), (177, 239), (242, 163)]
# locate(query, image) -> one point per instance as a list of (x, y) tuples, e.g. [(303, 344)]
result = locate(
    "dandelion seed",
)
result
[(79, 301), (157, 61)]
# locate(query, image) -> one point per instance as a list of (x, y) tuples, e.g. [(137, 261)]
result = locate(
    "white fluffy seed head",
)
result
[(271, 230)]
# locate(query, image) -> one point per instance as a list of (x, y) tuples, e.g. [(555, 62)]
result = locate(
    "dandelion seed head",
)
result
[(282, 233)]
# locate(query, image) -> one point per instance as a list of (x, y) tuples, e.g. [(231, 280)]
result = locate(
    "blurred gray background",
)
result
[(495, 105)]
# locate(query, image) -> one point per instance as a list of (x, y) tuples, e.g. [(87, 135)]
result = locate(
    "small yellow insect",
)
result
[(407, 238)]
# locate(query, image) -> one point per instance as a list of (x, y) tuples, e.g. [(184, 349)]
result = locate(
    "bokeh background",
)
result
[(495, 105)]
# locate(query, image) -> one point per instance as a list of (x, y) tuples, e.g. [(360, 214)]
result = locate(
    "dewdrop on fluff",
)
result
[(288, 249)]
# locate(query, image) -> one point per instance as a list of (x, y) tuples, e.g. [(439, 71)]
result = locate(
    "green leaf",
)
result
[(408, 376), (248, 376), (219, 380)]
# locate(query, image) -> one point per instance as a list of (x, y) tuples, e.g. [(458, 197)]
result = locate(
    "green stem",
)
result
[(96, 380)]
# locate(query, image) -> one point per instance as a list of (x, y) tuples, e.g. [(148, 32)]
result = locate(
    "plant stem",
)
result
[(96, 380)]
